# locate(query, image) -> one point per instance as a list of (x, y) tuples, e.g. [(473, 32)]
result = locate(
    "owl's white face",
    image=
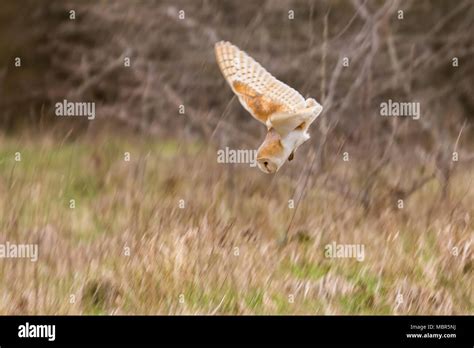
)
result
[(275, 150), (270, 153)]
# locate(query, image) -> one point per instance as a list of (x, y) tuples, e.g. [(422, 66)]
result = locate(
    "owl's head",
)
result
[(271, 155)]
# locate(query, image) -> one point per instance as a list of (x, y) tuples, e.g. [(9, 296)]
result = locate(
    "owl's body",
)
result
[(281, 108)]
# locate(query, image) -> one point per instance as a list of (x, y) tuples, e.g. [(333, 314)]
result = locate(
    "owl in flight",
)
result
[(281, 108)]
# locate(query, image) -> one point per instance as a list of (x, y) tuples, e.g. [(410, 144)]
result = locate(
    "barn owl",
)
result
[(283, 110)]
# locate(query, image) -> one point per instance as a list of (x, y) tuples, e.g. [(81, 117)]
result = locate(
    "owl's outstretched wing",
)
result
[(261, 94)]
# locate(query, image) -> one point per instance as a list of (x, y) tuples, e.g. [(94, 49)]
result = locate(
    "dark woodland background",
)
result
[(173, 61)]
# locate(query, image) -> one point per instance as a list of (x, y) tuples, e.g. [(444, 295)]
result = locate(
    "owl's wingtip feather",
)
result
[(222, 43)]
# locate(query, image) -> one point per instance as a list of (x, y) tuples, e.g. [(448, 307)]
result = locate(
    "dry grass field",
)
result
[(174, 232)]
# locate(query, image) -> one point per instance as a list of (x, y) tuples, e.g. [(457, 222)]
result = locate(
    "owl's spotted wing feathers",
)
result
[(282, 109), (259, 92)]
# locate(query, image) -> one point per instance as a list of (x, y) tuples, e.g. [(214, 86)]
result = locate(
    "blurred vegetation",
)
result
[(185, 261)]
